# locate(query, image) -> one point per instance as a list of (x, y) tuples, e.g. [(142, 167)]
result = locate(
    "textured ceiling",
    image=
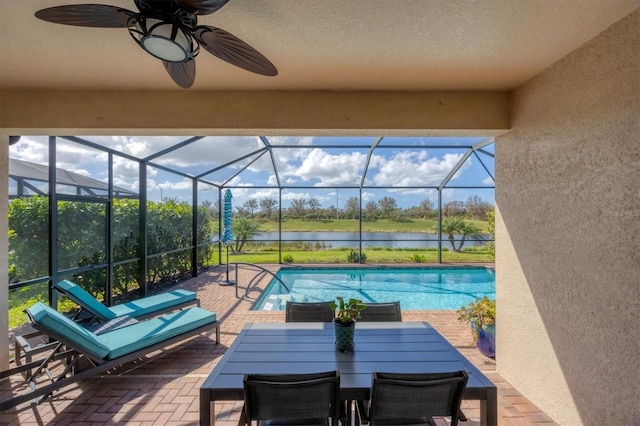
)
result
[(319, 45)]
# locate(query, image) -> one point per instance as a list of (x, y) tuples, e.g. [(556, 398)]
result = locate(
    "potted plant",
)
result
[(481, 315), (345, 321)]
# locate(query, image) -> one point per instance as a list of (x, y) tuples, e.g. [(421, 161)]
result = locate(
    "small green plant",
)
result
[(417, 258), (355, 257), (348, 311), (287, 258), (480, 313)]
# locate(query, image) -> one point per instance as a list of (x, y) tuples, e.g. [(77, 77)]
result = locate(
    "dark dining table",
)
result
[(401, 347)]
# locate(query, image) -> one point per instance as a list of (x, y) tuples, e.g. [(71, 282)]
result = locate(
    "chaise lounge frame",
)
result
[(72, 355)]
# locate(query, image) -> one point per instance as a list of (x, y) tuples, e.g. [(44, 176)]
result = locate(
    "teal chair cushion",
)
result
[(143, 334), (149, 305), (80, 338), (84, 299)]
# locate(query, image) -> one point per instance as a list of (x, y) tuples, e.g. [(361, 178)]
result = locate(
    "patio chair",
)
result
[(413, 399), (384, 311), (381, 312), (309, 312), (103, 351), (139, 309), (291, 399)]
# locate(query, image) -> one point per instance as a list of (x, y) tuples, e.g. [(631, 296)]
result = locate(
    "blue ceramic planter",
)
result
[(487, 341)]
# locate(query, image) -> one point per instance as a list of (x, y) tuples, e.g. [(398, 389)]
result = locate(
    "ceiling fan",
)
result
[(168, 30)]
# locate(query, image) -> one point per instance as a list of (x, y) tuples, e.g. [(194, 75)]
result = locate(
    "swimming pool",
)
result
[(432, 288)]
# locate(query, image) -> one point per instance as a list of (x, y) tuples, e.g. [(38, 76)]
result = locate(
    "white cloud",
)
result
[(180, 185), (412, 168), (329, 169), (32, 149), (126, 169), (291, 140), (368, 196), (271, 180), (212, 152), (265, 193)]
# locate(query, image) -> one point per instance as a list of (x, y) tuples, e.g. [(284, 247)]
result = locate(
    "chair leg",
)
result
[(461, 416)]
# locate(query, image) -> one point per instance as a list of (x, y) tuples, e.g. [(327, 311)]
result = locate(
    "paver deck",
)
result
[(163, 387)]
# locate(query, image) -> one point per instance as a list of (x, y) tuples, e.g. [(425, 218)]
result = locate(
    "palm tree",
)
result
[(456, 226), (244, 229)]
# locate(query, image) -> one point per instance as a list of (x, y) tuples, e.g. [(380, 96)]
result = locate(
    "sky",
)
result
[(305, 166)]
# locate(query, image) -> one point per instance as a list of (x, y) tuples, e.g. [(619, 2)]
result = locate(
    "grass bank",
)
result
[(472, 255)]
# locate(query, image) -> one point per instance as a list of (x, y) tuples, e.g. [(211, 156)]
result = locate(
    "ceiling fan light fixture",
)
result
[(166, 40)]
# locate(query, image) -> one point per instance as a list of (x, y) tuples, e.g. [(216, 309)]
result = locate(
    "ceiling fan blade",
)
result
[(87, 15), (231, 49), (202, 7), (183, 73)]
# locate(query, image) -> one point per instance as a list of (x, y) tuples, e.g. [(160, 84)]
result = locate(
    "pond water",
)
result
[(369, 239)]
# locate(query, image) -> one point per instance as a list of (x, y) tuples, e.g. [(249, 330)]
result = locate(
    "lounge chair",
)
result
[(106, 350), (413, 398), (139, 309), (389, 311), (305, 312)]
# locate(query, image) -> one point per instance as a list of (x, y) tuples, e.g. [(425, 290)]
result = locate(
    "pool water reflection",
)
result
[(427, 288)]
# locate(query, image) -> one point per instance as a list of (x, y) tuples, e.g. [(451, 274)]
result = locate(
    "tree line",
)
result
[(385, 208)]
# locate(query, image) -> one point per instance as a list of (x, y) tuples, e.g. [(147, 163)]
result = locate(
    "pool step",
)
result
[(278, 302)]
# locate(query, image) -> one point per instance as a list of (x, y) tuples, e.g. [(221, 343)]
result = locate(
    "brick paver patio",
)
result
[(163, 388)]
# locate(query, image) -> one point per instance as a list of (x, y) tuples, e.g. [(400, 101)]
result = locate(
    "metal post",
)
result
[(142, 230), (280, 225), (53, 222), (108, 297), (227, 281), (194, 227), (439, 225), (360, 225)]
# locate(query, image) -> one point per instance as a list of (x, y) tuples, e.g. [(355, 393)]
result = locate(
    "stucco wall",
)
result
[(568, 234), (4, 227)]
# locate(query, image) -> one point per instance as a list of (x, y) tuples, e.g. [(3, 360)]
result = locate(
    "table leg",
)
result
[(489, 409), (206, 408)]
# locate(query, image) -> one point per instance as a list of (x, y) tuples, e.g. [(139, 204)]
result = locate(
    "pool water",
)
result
[(434, 288)]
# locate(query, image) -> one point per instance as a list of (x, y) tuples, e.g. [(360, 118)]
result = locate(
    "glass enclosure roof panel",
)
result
[(429, 141), (318, 167), (255, 169), (276, 161), (487, 161), (126, 174), (472, 173), (139, 147), (490, 149), (317, 141), (404, 167), (203, 155), (163, 185)]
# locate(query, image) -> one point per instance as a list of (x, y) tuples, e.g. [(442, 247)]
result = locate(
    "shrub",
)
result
[(417, 258), (355, 257), (287, 258), (481, 313)]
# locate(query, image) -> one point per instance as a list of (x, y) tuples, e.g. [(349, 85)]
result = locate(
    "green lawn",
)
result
[(479, 255)]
